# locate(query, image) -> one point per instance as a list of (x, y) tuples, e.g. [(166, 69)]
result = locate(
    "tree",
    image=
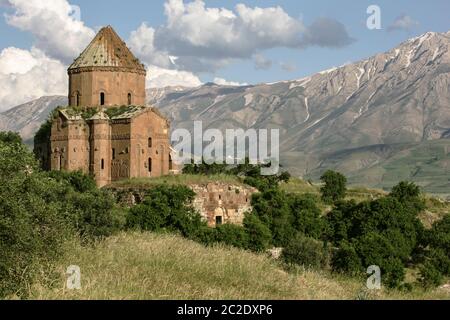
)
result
[(259, 236), (232, 235), (272, 208), (306, 215), (334, 188), (10, 137), (169, 208), (409, 195), (306, 251)]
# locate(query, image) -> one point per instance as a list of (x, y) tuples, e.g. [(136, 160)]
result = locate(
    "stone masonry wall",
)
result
[(216, 202)]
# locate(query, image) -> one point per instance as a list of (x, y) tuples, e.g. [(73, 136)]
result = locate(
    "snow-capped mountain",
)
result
[(379, 120)]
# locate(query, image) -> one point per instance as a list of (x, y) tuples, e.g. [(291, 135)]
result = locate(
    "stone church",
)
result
[(107, 130)]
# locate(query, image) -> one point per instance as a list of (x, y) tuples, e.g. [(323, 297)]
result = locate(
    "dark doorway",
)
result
[(149, 164), (218, 220), (102, 98)]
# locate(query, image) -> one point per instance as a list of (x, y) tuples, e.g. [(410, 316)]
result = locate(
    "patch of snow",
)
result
[(409, 55), (435, 54), (299, 83), (307, 110), (216, 100), (358, 77), (328, 71), (313, 124), (248, 99)]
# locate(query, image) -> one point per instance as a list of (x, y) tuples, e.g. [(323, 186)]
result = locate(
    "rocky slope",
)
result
[(378, 120)]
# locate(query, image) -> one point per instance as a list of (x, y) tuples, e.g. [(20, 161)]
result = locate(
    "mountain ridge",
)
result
[(357, 118)]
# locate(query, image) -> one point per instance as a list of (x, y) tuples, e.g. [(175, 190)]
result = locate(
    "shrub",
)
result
[(10, 137), (334, 188), (306, 215), (169, 208), (409, 195), (76, 179), (94, 214), (232, 235), (346, 260), (258, 234), (306, 251), (32, 229), (430, 276), (375, 249), (437, 253), (272, 208)]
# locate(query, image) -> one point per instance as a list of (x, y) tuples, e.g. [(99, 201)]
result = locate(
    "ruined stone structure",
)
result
[(221, 203), (107, 131), (217, 202)]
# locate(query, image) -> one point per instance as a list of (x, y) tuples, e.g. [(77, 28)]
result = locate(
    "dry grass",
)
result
[(150, 266)]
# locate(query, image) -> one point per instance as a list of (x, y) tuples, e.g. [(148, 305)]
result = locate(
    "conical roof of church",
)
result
[(107, 50)]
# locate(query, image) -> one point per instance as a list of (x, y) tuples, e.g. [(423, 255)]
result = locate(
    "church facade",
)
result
[(107, 130)]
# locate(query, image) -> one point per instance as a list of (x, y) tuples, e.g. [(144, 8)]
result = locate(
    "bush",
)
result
[(437, 253), (32, 230), (346, 260), (306, 214), (430, 276), (334, 188), (169, 208), (76, 179), (306, 251), (258, 234), (272, 208), (10, 137), (232, 235), (409, 195), (94, 214), (375, 249)]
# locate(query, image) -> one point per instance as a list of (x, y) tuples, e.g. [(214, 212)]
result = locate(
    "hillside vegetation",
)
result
[(135, 265), (162, 248)]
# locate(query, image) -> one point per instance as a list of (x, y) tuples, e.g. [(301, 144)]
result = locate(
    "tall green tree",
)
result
[(334, 186)]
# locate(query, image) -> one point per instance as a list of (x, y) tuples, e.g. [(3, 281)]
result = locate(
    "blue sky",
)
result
[(282, 63)]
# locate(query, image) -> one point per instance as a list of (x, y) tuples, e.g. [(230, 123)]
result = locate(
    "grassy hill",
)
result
[(152, 266)]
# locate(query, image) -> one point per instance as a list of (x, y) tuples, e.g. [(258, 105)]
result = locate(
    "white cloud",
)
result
[(205, 39), (403, 22), (288, 66), (27, 75), (261, 62), (57, 31), (159, 77), (141, 42), (223, 82)]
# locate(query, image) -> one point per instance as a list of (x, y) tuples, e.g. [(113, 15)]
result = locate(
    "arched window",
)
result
[(129, 99), (102, 98), (150, 142), (103, 164), (77, 99), (149, 164)]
